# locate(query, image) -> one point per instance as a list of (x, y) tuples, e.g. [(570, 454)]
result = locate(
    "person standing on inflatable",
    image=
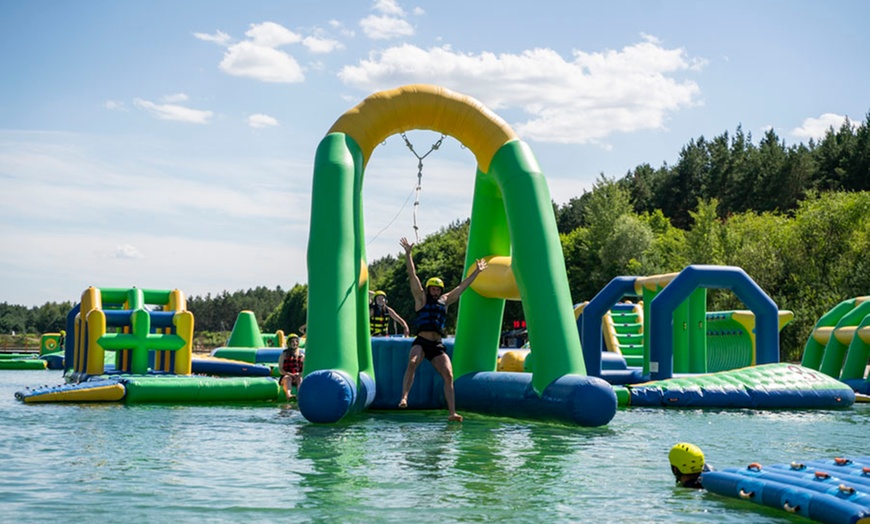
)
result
[(431, 307)]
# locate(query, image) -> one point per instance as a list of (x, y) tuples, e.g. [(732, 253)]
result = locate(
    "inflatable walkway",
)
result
[(770, 386), (833, 491)]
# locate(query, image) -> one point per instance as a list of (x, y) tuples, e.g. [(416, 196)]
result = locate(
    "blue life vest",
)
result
[(432, 316)]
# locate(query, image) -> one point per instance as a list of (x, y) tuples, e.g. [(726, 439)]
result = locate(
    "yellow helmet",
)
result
[(687, 458), (292, 336), (436, 282), (380, 294)]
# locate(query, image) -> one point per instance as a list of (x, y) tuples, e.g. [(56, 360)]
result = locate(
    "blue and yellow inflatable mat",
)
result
[(835, 491)]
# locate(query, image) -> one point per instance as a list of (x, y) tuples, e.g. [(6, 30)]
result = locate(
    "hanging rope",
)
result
[(419, 187), (399, 212)]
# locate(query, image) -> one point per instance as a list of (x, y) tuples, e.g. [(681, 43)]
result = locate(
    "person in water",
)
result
[(431, 307), (687, 465), (380, 314), (290, 363)]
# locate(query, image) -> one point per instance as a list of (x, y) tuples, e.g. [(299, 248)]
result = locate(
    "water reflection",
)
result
[(394, 463)]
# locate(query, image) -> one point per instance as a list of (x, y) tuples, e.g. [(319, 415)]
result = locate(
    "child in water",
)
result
[(290, 363)]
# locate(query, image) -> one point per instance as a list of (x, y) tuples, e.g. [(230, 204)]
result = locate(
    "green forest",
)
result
[(795, 218)]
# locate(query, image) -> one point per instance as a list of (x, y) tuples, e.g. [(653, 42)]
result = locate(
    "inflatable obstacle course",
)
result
[(49, 346), (135, 345), (676, 335), (512, 227), (705, 359)]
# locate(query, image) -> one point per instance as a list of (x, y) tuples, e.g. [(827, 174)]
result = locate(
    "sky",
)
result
[(167, 144)]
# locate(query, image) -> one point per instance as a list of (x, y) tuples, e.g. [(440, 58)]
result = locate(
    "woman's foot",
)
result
[(456, 417), (403, 403)]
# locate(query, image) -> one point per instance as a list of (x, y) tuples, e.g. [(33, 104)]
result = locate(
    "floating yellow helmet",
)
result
[(436, 282), (687, 458)]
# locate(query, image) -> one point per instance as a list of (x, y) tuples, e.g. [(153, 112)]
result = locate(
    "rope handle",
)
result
[(419, 187)]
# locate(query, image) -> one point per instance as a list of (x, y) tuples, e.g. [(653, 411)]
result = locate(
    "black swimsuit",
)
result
[(430, 349)]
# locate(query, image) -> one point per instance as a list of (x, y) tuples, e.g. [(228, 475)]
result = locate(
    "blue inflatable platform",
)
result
[(835, 491)]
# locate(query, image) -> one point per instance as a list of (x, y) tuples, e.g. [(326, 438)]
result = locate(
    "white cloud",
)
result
[(219, 37), (258, 56), (582, 99), (342, 30), (263, 63), (173, 99), (174, 112), (115, 105), (388, 7), (816, 128), (127, 251), (385, 27), (260, 120), (418, 11), (321, 45), (270, 34)]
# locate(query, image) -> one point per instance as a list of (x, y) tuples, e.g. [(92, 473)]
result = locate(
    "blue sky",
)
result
[(169, 144)]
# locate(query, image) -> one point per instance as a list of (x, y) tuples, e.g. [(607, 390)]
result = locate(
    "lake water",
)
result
[(112, 463)]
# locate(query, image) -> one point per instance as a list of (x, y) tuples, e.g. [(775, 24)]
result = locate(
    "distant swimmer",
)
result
[(431, 307)]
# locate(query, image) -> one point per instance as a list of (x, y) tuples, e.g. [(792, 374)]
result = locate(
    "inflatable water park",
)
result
[(583, 362), (642, 341), (665, 350)]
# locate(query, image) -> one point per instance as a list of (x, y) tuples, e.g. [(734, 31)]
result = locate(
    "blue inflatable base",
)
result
[(833, 491), (571, 399), (328, 395), (228, 368), (858, 385)]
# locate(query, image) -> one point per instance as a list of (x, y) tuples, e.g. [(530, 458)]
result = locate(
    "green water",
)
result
[(113, 463)]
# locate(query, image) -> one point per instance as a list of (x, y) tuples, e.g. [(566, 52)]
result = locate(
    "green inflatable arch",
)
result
[(512, 225)]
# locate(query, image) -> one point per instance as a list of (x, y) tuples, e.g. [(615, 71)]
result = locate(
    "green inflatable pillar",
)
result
[(538, 264), (478, 334), (334, 259)]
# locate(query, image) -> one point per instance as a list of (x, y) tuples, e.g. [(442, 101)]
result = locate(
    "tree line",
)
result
[(47, 318), (743, 176)]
